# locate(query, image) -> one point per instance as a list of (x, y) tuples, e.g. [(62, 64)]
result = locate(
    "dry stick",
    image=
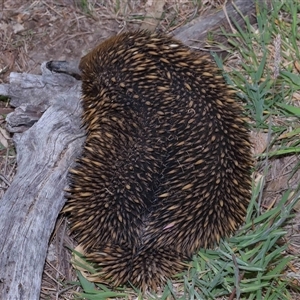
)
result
[(31, 204), (231, 297), (4, 179)]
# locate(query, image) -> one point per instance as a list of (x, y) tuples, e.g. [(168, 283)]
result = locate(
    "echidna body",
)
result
[(165, 168)]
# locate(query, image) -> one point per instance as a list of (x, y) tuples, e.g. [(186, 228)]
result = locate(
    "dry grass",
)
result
[(64, 29)]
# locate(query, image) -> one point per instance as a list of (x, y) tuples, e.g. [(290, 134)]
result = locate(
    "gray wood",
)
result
[(31, 205), (195, 32)]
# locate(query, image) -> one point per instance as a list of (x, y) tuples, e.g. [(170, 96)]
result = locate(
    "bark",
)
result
[(45, 152), (196, 32)]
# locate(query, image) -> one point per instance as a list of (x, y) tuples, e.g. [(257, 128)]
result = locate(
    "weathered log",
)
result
[(45, 152), (196, 32), (48, 110)]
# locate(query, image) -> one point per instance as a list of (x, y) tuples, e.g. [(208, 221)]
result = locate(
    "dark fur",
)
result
[(166, 165)]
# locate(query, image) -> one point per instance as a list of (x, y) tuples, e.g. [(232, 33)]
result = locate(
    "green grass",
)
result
[(250, 264), (254, 262), (86, 6)]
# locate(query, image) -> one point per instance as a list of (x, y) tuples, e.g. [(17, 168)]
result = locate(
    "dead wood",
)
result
[(48, 137), (45, 152), (196, 32)]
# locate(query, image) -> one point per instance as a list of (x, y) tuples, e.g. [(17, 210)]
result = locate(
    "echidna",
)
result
[(166, 164)]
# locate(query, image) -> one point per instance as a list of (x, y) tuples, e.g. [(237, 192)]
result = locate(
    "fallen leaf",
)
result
[(259, 141), (18, 28)]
